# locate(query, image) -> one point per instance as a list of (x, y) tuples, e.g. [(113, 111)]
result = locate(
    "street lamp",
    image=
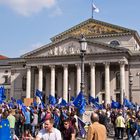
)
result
[(130, 85), (69, 90), (83, 49)]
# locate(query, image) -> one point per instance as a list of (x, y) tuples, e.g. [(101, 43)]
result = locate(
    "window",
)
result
[(117, 81), (103, 81), (6, 80), (24, 83), (114, 43), (118, 97)]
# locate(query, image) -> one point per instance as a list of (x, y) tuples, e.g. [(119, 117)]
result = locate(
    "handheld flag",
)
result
[(127, 103), (52, 100), (2, 93), (80, 103), (39, 95), (5, 133), (115, 105), (63, 103), (81, 126)]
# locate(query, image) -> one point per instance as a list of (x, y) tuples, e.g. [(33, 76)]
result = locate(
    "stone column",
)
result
[(28, 84), (78, 78), (107, 83), (40, 78), (122, 80), (13, 71), (52, 92), (92, 80), (65, 82)]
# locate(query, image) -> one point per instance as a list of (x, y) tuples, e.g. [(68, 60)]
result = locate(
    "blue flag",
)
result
[(80, 103), (127, 103), (19, 102), (81, 126), (52, 100), (5, 133), (115, 105), (2, 93), (39, 94), (93, 100), (13, 99), (63, 103)]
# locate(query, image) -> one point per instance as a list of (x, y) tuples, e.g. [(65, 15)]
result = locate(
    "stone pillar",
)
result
[(52, 92), (65, 83), (92, 80), (122, 80), (12, 83), (78, 78), (40, 78), (28, 84), (107, 83)]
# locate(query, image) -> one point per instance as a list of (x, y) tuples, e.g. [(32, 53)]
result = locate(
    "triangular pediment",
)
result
[(91, 27), (71, 46)]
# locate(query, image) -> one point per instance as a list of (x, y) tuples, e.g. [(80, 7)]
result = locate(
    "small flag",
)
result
[(94, 8), (81, 126)]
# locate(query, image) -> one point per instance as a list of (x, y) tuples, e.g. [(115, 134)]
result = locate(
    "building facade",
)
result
[(112, 65)]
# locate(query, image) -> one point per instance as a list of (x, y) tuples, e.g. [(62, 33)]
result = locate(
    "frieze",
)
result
[(64, 50)]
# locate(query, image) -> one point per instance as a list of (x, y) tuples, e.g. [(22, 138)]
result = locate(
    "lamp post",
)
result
[(83, 48), (69, 90), (130, 85)]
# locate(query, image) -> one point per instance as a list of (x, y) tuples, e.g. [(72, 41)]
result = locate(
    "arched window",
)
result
[(103, 81), (117, 80), (24, 83), (114, 43)]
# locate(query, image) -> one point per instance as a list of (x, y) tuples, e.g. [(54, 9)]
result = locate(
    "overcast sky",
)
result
[(28, 24)]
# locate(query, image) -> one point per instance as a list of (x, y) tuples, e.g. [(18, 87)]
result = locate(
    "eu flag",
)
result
[(63, 103), (5, 133), (2, 93), (80, 103), (81, 126), (115, 104), (52, 100), (39, 94), (127, 103)]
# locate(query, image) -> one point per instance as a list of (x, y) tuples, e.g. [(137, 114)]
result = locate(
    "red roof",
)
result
[(3, 57)]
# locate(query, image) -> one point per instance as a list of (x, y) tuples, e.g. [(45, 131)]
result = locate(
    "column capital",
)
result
[(92, 64), (28, 67), (40, 66), (106, 63), (52, 66), (65, 65), (122, 62), (78, 65)]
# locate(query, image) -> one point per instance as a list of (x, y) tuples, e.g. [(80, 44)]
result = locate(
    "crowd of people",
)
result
[(53, 123)]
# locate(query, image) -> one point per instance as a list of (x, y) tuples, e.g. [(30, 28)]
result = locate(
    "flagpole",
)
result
[(92, 9)]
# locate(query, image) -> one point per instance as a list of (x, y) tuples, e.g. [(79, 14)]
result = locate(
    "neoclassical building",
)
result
[(112, 65)]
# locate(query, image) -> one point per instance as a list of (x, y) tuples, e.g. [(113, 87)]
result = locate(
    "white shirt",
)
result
[(54, 135)]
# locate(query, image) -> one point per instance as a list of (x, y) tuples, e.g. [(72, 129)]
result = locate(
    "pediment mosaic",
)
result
[(90, 28)]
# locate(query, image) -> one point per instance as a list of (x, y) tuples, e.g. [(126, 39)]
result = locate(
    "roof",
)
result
[(2, 57)]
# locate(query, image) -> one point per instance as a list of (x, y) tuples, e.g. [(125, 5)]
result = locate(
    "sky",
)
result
[(26, 25)]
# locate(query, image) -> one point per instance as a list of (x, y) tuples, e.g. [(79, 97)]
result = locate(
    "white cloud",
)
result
[(29, 7)]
